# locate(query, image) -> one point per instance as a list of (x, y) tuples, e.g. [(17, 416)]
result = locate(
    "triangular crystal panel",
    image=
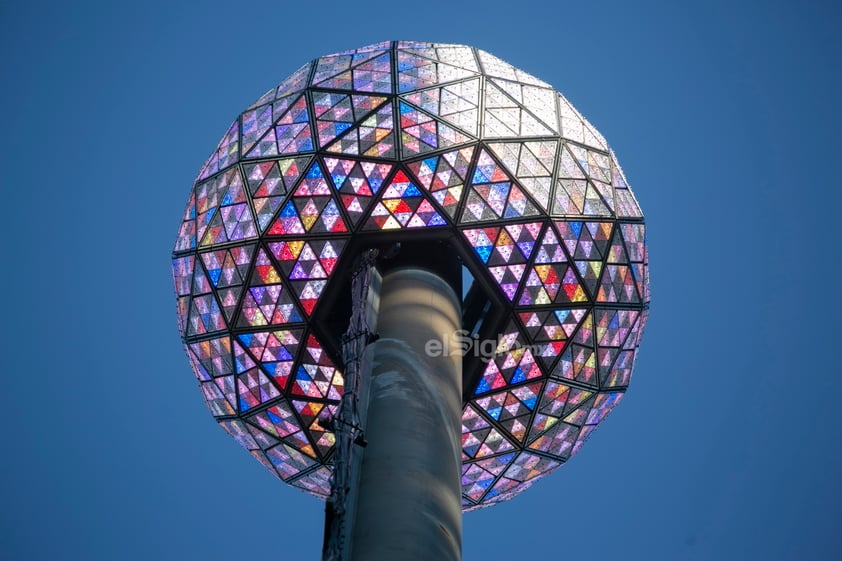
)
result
[(421, 133), (403, 205), (374, 136)]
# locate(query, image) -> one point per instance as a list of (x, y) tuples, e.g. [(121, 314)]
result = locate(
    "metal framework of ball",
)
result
[(441, 145)]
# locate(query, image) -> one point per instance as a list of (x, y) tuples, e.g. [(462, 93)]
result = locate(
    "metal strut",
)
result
[(346, 423)]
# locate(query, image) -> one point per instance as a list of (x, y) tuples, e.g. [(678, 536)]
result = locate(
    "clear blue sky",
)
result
[(726, 118)]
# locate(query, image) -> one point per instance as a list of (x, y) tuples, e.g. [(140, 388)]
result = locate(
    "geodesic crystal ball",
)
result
[(413, 141)]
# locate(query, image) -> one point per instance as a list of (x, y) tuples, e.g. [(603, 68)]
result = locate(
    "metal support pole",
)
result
[(408, 505), (365, 290)]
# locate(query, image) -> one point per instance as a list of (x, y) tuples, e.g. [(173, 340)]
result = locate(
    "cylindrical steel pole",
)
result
[(409, 494)]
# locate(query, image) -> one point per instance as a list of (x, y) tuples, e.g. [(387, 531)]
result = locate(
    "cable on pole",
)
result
[(346, 423)]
